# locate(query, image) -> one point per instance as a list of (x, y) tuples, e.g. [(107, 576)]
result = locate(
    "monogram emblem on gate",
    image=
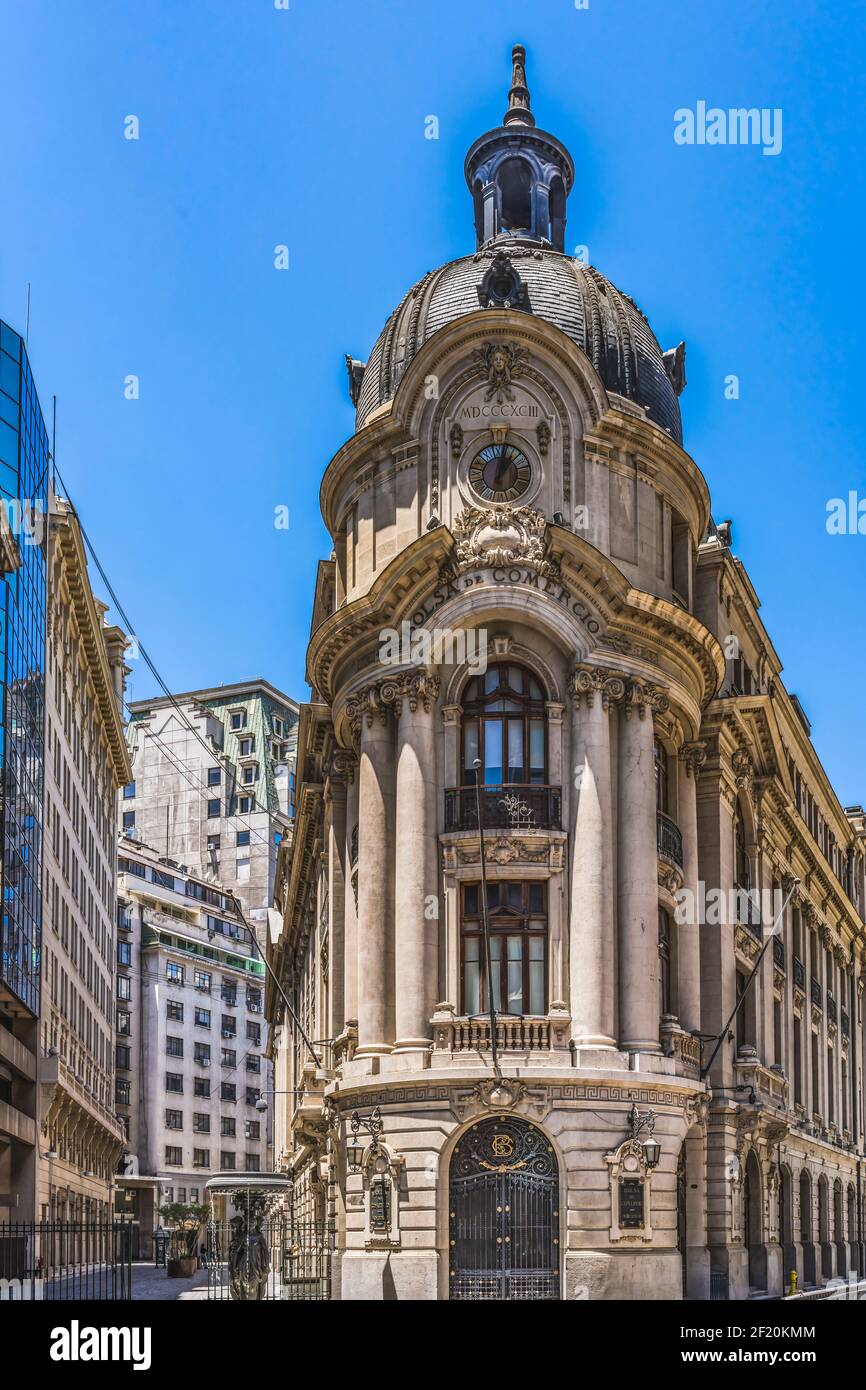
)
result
[(502, 1145)]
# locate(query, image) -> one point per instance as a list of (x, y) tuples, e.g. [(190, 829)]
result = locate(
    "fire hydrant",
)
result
[(792, 1283)]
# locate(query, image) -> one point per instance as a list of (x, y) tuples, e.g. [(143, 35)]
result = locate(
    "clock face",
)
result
[(500, 473)]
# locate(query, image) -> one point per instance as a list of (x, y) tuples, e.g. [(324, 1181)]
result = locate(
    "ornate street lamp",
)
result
[(641, 1120), (371, 1124)]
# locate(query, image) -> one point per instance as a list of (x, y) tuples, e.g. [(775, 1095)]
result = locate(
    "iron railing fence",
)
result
[(59, 1261), (279, 1260)]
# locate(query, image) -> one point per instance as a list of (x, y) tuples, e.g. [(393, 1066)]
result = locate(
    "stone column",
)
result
[(688, 933), (375, 871), (638, 871), (591, 930), (350, 946), (416, 915), (341, 770)]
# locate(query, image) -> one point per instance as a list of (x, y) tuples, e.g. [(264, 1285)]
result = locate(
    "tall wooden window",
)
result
[(517, 915)]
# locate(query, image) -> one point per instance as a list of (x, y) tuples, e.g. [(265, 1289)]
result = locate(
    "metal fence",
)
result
[(60, 1260), (280, 1259)]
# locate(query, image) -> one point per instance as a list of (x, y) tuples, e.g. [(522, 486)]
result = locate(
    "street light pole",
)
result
[(488, 960)]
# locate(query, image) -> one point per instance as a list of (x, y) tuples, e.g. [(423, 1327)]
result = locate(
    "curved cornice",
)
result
[(648, 633)]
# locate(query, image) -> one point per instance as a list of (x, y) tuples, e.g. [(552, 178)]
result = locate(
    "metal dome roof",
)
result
[(603, 321)]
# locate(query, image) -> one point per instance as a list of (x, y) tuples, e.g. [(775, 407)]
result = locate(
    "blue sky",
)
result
[(305, 127)]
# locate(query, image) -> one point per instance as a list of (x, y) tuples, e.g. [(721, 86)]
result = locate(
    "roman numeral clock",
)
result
[(500, 473)]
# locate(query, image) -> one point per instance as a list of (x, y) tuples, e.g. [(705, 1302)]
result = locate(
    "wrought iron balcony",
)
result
[(846, 1024), (832, 1008), (669, 839), (799, 975), (817, 997), (516, 806), (779, 952)]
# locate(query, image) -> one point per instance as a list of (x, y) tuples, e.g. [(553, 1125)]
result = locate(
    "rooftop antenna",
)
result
[(27, 318)]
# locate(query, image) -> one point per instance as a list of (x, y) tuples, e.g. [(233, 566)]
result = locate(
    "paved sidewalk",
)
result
[(151, 1285)]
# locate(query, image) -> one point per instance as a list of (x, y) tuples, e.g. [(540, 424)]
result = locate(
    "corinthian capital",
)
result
[(419, 689), (694, 755), (642, 696), (585, 682)]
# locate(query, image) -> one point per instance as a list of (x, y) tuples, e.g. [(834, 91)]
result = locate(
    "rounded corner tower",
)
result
[(497, 781)]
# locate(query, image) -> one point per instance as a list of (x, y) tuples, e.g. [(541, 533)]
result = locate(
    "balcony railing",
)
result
[(516, 806), (512, 1034), (846, 1024), (799, 975), (670, 840), (816, 992), (832, 1008), (779, 952)]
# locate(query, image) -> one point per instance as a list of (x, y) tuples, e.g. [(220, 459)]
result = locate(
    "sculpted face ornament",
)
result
[(500, 364)]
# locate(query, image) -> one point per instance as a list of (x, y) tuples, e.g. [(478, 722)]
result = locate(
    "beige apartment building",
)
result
[(530, 612), (80, 1136)]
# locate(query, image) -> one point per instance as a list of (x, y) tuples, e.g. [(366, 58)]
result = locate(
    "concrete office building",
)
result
[(189, 999)]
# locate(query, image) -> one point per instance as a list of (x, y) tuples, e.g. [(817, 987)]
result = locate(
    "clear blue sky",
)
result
[(306, 127)]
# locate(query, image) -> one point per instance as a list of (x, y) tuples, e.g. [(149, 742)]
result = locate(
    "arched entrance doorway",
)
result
[(504, 1213)]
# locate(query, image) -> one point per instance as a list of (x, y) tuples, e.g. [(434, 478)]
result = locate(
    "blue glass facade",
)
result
[(24, 478)]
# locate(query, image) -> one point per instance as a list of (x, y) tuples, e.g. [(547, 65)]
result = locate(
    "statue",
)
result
[(249, 1258)]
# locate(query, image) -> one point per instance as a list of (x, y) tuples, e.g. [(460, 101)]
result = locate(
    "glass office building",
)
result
[(24, 481)]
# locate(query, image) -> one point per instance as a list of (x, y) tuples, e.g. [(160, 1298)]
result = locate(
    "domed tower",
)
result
[(497, 774)]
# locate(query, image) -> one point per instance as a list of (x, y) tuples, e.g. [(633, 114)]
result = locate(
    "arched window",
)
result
[(557, 214), (748, 911), (504, 725), (665, 998), (517, 917), (661, 770), (514, 181)]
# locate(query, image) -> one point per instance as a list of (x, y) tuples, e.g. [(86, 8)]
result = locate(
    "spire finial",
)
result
[(518, 112)]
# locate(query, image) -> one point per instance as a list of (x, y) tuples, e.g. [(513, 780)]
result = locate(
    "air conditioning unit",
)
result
[(227, 1033)]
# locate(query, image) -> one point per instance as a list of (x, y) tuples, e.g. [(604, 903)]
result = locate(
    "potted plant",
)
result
[(184, 1221)]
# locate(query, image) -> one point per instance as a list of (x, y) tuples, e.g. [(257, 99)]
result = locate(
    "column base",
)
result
[(595, 1040), (640, 1045), (412, 1045), (373, 1049)]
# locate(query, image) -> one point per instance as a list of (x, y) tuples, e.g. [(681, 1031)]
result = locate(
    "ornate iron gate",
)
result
[(504, 1213)]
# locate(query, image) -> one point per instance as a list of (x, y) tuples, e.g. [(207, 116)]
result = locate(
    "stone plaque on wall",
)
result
[(631, 1203)]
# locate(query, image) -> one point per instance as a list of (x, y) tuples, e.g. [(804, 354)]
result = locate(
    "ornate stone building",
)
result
[(530, 612), (86, 762)]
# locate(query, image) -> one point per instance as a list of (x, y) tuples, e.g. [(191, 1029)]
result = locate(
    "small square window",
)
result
[(243, 837), (214, 776), (245, 805), (238, 719), (129, 791), (129, 820), (213, 841), (249, 775), (213, 809)]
